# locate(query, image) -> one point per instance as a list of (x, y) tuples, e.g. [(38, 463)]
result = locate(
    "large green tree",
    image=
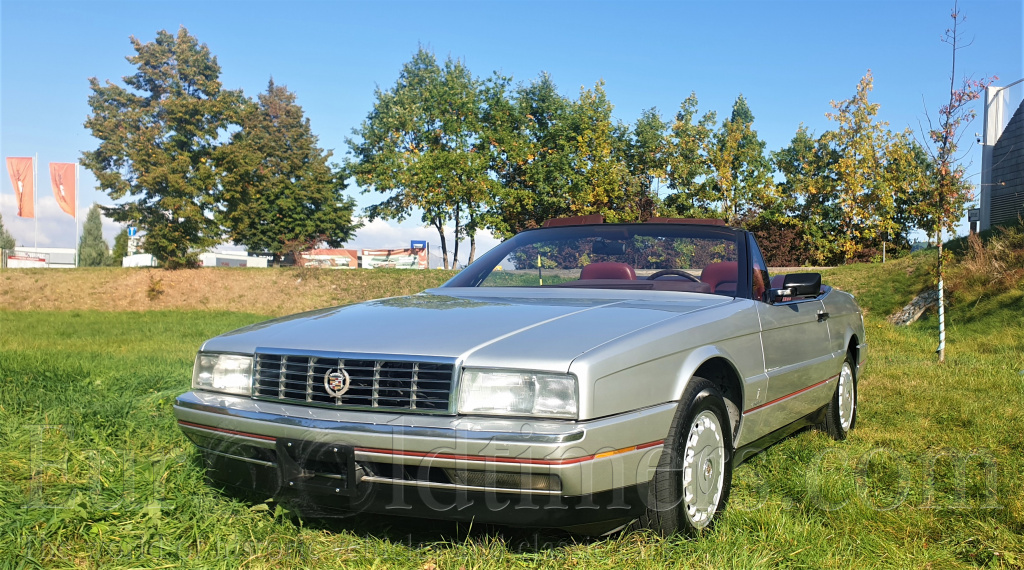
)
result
[(420, 147), (860, 142), (92, 248), (854, 189), (907, 178), (688, 165), (525, 131), (557, 157), (800, 165), (740, 177), (503, 132), (157, 136), (278, 190), (805, 194), (872, 177), (646, 153), (593, 144)]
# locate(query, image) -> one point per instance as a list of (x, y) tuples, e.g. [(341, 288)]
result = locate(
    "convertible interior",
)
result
[(660, 255), (718, 278)]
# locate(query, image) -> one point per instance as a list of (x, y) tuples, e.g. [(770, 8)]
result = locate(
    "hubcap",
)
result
[(847, 396), (703, 469)]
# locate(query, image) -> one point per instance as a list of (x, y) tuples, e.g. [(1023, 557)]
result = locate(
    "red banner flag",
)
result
[(20, 169), (62, 178)]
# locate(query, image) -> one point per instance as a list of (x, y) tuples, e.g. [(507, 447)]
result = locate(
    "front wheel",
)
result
[(691, 485), (841, 415)]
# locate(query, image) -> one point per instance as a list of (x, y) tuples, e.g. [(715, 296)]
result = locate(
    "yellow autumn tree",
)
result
[(600, 175), (860, 144)]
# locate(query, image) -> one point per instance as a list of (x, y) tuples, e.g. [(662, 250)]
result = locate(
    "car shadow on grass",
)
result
[(411, 532)]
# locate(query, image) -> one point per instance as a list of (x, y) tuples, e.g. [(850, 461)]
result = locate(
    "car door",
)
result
[(797, 355)]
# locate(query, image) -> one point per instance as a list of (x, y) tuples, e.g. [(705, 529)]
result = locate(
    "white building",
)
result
[(230, 259), (138, 260), (1002, 160), (54, 257)]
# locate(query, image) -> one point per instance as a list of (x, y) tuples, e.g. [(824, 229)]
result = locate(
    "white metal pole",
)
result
[(35, 200), (77, 192)]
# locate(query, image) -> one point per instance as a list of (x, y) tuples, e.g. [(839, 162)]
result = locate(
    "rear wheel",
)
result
[(841, 415), (691, 485)]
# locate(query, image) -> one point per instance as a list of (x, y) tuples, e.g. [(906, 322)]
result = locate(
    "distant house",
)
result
[(1002, 162)]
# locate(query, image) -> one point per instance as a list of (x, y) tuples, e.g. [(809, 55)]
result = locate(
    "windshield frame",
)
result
[(476, 272)]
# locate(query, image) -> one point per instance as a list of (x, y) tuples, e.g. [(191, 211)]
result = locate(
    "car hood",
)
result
[(503, 327)]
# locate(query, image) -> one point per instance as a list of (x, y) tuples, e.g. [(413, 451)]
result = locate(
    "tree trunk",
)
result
[(444, 244), (455, 255), (471, 228)]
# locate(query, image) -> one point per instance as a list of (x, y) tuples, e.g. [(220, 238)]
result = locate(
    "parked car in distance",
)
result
[(582, 375)]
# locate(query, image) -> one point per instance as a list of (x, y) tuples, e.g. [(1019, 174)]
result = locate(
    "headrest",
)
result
[(608, 270), (721, 272)]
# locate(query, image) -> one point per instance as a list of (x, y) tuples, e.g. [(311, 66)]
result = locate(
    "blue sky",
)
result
[(788, 58)]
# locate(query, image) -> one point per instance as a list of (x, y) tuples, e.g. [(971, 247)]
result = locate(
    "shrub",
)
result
[(992, 265), (782, 241)]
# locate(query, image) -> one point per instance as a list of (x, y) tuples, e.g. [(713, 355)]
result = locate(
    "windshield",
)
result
[(664, 257)]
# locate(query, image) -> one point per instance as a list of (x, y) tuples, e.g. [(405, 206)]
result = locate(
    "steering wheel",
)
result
[(676, 272)]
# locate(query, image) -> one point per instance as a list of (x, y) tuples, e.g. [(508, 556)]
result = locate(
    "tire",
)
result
[(841, 415), (690, 488)]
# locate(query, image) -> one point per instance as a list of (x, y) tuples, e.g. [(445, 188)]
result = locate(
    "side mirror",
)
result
[(797, 285)]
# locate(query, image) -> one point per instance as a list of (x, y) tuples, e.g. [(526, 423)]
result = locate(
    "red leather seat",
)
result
[(608, 270), (720, 276)]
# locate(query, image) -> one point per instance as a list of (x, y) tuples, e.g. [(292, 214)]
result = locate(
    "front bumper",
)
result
[(512, 471)]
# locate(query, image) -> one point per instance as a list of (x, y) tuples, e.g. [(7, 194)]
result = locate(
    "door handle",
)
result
[(822, 316)]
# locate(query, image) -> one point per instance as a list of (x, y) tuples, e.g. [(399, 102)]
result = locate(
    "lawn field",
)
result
[(94, 473), (273, 291)]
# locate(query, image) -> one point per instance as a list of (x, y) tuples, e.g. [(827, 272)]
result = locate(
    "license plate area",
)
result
[(317, 467)]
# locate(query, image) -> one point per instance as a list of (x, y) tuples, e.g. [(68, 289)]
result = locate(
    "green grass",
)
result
[(524, 278), (95, 474)]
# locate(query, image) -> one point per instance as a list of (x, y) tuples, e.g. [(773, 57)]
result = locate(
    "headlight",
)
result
[(223, 373), (518, 393)]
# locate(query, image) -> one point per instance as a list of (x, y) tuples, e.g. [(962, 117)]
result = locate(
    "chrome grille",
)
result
[(375, 383)]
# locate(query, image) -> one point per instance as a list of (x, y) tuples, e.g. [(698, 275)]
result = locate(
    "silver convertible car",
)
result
[(582, 375)]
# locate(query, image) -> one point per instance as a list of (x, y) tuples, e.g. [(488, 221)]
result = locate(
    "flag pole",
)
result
[(77, 191), (35, 193)]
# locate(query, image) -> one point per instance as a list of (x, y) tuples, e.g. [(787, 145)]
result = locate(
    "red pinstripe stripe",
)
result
[(491, 459), (777, 400)]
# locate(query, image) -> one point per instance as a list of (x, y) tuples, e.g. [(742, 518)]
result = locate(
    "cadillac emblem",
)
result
[(336, 383)]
